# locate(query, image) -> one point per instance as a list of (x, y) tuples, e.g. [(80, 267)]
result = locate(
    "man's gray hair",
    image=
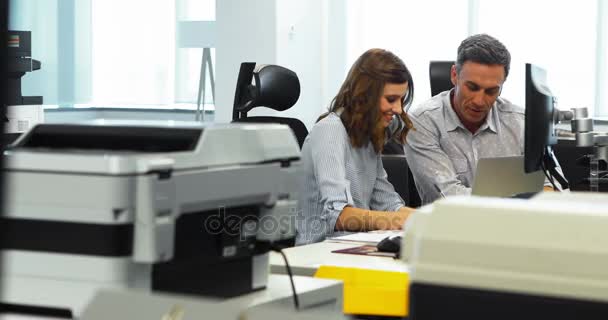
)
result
[(484, 49)]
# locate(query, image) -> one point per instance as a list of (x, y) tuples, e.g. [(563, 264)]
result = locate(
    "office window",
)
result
[(417, 31), (41, 18), (132, 53), (559, 36), (601, 94), (568, 39), (112, 53), (198, 16), (196, 10)]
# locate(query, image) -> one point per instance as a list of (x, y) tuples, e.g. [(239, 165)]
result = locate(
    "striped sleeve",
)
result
[(329, 142)]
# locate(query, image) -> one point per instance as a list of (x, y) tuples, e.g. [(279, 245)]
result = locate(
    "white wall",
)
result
[(336, 48), (307, 37), (299, 48), (246, 33)]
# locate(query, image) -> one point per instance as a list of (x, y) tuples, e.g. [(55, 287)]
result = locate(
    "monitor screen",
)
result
[(539, 126)]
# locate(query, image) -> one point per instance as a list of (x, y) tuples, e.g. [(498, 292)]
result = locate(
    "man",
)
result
[(471, 121)]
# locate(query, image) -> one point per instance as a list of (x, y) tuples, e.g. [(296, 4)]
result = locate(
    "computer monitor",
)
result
[(541, 117), (539, 131)]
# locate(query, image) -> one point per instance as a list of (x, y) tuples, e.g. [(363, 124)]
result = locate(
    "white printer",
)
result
[(179, 209), (491, 258)]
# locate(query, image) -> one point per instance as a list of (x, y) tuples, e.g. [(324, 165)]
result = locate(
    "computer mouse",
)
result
[(389, 244)]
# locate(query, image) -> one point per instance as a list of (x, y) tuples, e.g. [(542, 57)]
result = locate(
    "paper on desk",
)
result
[(368, 237)]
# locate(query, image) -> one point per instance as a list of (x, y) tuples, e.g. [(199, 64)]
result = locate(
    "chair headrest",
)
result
[(439, 73), (273, 86)]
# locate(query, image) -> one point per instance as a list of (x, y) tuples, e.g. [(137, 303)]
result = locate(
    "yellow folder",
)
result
[(371, 292)]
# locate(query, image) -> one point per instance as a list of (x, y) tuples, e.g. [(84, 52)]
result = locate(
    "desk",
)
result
[(305, 260), (314, 295), (360, 295)]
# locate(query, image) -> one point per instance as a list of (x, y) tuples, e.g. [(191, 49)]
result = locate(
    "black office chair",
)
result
[(439, 73), (399, 174), (273, 87)]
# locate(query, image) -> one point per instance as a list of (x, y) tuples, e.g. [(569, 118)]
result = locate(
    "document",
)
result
[(372, 237), (366, 250)]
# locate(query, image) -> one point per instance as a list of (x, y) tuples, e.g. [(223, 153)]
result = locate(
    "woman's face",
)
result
[(391, 101)]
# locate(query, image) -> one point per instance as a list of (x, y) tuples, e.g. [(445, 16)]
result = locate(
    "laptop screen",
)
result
[(505, 177)]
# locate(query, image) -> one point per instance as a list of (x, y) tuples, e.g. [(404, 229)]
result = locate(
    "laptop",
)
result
[(505, 177)]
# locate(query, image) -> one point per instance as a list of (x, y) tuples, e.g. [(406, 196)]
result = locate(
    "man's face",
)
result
[(476, 89)]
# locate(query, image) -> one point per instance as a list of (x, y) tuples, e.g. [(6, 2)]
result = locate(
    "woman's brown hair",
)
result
[(360, 95)]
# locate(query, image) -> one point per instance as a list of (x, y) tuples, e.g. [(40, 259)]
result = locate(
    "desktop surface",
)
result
[(306, 260)]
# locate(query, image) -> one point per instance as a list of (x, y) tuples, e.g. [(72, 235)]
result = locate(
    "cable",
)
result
[(542, 165), (296, 302), (549, 177)]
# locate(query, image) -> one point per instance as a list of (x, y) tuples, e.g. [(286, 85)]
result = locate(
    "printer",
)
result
[(183, 209), (492, 258)]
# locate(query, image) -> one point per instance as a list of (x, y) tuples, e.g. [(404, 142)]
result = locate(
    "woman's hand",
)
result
[(400, 217)]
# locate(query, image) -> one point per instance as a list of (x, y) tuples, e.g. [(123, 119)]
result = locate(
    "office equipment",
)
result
[(439, 76), (489, 258), (541, 117), (540, 136), (586, 137), (20, 119), (20, 62), (505, 177), (317, 295), (574, 162), (179, 209), (390, 244), (269, 86)]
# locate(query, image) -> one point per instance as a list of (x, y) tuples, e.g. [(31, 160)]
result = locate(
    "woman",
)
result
[(344, 187)]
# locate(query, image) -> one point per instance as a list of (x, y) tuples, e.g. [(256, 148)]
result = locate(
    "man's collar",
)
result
[(451, 118), (490, 122)]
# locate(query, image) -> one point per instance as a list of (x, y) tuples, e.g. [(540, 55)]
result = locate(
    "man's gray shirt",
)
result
[(443, 154)]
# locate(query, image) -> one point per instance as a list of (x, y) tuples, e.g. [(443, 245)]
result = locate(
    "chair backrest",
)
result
[(400, 176), (273, 87), (439, 73)]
